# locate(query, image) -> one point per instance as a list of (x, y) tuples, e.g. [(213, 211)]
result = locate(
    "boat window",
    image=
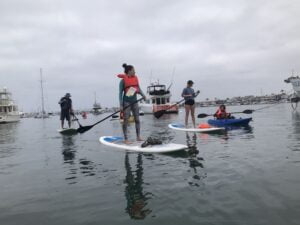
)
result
[(5, 109), (0, 109), (163, 101), (168, 100), (153, 101), (158, 101)]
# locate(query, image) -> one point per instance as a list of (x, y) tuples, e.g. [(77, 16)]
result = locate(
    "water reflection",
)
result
[(85, 166), (69, 153), (296, 133), (8, 132), (134, 192), (8, 139)]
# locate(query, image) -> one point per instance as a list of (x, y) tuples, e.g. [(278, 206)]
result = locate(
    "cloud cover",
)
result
[(228, 48)]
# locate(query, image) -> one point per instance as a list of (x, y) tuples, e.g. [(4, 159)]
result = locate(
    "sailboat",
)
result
[(97, 107), (42, 114)]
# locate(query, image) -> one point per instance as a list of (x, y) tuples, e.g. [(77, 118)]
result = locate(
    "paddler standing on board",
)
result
[(66, 109), (189, 96), (128, 89)]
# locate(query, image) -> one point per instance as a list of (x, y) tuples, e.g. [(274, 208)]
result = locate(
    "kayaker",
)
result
[(222, 114), (189, 95), (66, 109), (128, 89)]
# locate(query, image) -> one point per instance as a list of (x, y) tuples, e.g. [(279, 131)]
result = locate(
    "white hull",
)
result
[(146, 108), (9, 118), (150, 108), (296, 86)]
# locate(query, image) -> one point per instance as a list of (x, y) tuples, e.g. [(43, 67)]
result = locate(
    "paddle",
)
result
[(159, 113), (83, 129), (247, 111), (73, 114)]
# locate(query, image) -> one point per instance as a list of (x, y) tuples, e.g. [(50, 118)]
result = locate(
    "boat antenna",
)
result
[(150, 79), (173, 73), (42, 90)]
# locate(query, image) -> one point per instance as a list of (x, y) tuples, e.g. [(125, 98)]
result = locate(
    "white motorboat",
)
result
[(158, 98), (8, 109)]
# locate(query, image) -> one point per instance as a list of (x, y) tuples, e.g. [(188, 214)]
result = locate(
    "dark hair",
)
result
[(223, 106), (190, 82), (127, 68)]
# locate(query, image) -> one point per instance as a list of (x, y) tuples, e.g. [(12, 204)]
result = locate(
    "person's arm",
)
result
[(61, 101), (121, 90)]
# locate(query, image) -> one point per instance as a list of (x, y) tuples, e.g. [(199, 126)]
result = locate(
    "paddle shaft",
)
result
[(105, 118), (76, 119), (247, 111)]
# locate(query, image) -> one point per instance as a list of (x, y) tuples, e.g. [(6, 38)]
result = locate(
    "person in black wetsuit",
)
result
[(66, 109)]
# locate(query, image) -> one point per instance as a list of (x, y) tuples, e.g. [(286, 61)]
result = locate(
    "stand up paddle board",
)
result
[(68, 131), (117, 142), (181, 127)]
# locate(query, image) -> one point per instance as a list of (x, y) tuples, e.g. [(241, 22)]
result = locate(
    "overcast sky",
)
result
[(228, 48)]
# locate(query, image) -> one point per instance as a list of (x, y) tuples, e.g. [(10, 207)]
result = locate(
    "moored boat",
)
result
[(295, 81), (8, 109), (158, 98), (229, 122)]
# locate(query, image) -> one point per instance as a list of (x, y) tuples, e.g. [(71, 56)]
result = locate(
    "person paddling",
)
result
[(128, 89), (66, 109), (222, 114), (189, 95)]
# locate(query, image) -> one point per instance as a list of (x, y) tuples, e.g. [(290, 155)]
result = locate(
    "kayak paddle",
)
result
[(83, 129), (247, 111)]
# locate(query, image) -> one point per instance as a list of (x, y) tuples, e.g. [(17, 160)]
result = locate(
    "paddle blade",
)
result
[(202, 115), (158, 114), (248, 111), (114, 116), (84, 129)]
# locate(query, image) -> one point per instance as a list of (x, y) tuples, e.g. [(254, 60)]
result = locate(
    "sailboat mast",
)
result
[(42, 90)]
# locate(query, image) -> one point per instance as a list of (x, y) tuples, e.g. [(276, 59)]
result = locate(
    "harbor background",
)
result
[(245, 176)]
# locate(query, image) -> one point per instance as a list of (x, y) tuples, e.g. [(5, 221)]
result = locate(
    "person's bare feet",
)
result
[(139, 139), (126, 142)]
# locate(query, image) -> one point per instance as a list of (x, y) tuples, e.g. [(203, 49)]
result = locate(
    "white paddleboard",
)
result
[(117, 142), (68, 131), (181, 127)]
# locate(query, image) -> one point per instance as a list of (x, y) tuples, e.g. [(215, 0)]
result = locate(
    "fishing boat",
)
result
[(295, 81), (158, 98), (8, 109)]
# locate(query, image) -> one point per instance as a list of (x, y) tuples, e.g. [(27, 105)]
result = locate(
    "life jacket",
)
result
[(130, 81), (220, 114)]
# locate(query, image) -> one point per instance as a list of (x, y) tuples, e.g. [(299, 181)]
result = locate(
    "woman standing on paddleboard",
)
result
[(128, 89), (189, 95)]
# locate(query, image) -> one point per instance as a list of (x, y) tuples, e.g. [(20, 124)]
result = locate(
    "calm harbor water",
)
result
[(244, 176)]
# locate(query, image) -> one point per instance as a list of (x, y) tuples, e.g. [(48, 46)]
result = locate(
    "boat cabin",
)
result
[(158, 89)]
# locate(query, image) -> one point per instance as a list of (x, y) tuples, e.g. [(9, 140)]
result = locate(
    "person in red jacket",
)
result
[(129, 88), (222, 114)]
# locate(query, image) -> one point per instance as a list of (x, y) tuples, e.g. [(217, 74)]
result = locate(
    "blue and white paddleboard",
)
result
[(117, 142), (181, 127)]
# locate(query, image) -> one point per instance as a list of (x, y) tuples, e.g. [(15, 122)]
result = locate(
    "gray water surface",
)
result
[(244, 176)]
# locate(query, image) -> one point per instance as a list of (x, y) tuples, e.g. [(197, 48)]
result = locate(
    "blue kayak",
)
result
[(229, 122)]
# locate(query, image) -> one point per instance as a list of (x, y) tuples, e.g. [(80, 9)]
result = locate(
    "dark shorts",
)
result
[(65, 115), (190, 102)]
